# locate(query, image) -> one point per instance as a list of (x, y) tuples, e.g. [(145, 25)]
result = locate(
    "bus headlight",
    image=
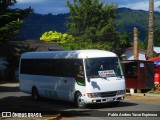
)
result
[(121, 92), (93, 95)]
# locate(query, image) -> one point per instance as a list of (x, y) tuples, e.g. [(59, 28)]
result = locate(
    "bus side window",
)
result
[(80, 72), (79, 75), (69, 68)]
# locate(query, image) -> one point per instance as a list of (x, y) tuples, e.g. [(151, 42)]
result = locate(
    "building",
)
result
[(38, 45), (157, 50), (129, 53), (21, 46)]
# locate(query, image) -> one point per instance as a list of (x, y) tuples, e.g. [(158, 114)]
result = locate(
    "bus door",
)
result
[(66, 85)]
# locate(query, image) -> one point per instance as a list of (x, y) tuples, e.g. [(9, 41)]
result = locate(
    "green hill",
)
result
[(36, 24), (127, 19)]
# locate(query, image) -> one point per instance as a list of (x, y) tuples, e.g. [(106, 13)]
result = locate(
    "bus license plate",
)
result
[(109, 99)]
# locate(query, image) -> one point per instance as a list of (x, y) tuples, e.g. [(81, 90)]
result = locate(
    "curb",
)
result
[(54, 117), (143, 94), (10, 84)]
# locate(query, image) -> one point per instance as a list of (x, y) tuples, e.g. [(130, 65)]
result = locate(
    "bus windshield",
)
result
[(104, 67)]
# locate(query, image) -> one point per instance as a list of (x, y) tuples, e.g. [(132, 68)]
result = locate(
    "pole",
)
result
[(136, 52), (151, 30)]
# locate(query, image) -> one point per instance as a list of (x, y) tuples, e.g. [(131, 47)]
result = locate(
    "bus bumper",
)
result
[(103, 100)]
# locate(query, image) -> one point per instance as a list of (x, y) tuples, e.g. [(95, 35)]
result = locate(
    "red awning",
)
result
[(156, 59)]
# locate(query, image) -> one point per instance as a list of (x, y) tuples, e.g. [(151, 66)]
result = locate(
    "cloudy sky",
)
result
[(59, 6)]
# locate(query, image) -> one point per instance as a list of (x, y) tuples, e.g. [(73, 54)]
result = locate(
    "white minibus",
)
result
[(79, 76)]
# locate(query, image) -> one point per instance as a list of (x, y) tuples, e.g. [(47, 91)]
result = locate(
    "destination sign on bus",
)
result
[(106, 73)]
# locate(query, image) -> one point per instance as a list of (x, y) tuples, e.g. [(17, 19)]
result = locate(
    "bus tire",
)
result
[(79, 102), (35, 94)]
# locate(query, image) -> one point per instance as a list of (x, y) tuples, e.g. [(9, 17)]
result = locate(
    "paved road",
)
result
[(13, 100)]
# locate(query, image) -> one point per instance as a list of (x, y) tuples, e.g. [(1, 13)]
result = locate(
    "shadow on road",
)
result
[(26, 103), (12, 100), (108, 105)]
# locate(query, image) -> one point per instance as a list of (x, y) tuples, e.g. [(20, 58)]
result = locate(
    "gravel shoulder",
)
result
[(144, 99)]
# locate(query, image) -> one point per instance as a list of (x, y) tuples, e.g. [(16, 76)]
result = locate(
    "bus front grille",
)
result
[(108, 94)]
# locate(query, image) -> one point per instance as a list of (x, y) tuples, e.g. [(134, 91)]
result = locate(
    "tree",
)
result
[(65, 40), (92, 24), (142, 44), (156, 37), (10, 23), (10, 20), (124, 41)]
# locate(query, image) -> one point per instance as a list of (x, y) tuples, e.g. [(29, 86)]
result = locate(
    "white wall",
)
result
[(129, 55)]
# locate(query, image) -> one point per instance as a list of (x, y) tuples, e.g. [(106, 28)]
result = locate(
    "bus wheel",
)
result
[(79, 102), (35, 94)]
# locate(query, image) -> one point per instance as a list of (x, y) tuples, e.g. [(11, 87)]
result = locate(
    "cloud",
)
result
[(59, 6), (138, 5), (29, 1), (135, 4), (123, 2), (44, 6), (143, 5)]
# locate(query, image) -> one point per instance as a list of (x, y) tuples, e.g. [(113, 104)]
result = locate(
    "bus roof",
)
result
[(69, 54)]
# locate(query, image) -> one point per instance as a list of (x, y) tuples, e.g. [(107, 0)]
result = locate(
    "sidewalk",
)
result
[(146, 98), (55, 117), (143, 94), (10, 84)]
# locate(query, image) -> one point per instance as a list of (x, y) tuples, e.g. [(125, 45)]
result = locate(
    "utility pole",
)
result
[(151, 30), (136, 50)]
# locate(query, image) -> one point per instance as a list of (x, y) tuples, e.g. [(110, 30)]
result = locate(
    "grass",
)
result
[(154, 90)]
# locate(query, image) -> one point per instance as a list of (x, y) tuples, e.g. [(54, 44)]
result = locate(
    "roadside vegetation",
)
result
[(10, 24), (96, 25), (91, 25)]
